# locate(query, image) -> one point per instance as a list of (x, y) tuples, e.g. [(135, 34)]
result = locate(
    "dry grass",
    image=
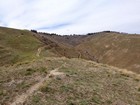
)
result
[(17, 46), (84, 83), (116, 49), (88, 83), (112, 48), (17, 79)]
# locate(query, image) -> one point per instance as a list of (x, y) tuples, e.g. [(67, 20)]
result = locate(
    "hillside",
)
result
[(113, 48), (62, 81), (46, 69), (17, 46), (119, 50)]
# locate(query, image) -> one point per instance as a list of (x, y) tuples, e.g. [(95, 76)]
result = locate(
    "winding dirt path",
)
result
[(19, 100)]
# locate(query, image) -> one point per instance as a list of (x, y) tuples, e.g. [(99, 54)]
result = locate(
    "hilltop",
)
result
[(48, 69)]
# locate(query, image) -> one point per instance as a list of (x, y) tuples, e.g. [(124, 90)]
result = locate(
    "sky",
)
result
[(71, 16)]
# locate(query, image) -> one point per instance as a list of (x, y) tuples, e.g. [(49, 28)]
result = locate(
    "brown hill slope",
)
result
[(36, 75), (113, 48)]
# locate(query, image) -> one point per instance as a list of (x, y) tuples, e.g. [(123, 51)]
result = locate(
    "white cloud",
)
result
[(71, 16)]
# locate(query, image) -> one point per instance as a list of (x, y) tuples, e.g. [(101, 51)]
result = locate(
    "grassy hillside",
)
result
[(34, 71), (116, 49), (18, 45), (77, 82), (113, 48)]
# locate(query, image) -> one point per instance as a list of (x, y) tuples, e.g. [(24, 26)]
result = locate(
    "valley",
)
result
[(48, 69)]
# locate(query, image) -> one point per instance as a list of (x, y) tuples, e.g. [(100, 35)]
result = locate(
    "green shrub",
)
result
[(43, 70), (29, 71), (96, 100), (46, 89), (139, 89), (36, 99)]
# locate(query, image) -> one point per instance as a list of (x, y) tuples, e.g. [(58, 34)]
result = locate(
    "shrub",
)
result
[(139, 89), (35, 31), (29, 71)]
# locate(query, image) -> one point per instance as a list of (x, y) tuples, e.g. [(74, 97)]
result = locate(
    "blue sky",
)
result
[(71, 16)]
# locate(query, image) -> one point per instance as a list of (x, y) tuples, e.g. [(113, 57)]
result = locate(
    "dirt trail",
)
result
[(19, 100), (39, 50)]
